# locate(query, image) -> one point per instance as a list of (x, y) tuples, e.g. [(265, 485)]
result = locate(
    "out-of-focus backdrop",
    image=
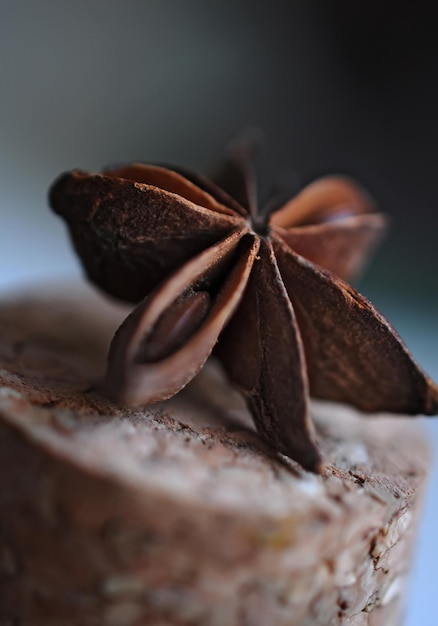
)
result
[(334, 86)]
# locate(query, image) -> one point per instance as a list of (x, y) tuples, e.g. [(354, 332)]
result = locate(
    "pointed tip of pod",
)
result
[(56, 190), (312, 462), (430, 401), (307, 455)]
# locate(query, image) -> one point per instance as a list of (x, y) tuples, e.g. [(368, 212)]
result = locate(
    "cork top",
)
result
[(199, 447)]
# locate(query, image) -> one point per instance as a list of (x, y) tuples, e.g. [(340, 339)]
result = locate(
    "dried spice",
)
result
[(264, 290)]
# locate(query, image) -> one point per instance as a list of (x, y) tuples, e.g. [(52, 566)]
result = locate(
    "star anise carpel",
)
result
[(264, 290)]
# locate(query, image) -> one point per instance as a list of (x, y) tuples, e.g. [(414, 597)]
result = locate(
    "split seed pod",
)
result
[(265, 291)]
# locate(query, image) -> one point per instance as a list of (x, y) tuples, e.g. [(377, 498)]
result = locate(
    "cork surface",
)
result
[(178, 514)]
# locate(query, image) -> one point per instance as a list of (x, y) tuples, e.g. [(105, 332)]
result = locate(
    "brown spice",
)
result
[(269, 289)]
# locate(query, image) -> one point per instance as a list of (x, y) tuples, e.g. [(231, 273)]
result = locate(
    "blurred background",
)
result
[(334, 86)]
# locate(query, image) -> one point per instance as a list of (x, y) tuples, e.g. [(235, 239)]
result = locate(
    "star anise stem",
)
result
[(237, 176)]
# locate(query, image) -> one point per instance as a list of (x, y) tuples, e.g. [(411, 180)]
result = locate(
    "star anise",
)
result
[(266, 287)]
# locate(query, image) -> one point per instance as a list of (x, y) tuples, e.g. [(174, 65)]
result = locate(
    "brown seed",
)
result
[(174, 327)]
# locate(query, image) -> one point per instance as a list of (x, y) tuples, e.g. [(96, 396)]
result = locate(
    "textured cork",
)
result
[(178, 514)]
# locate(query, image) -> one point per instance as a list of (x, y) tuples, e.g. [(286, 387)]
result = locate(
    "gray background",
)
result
[(335, 87)]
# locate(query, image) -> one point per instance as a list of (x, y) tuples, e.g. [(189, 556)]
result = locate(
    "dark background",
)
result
[(336, 86)]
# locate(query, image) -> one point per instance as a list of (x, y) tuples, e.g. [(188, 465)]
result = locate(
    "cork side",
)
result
[(178, 514)]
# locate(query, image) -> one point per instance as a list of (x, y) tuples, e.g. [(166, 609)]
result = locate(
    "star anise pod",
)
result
[(266, 287)]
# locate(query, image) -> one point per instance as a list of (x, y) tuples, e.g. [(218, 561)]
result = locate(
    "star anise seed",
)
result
[(265, 291)]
